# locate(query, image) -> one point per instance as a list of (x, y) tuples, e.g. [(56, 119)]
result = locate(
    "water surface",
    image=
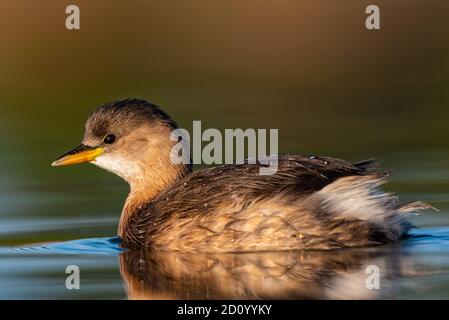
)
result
[(415, 268)]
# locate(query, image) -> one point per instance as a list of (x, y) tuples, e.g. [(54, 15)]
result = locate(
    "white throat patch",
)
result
[(118, 165)]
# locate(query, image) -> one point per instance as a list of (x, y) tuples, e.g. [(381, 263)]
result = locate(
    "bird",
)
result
[(309, 203)]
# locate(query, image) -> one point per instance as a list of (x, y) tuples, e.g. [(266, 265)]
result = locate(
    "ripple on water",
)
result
[(96, 246)]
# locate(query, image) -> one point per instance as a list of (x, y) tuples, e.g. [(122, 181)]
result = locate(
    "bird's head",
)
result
[(130, 138)]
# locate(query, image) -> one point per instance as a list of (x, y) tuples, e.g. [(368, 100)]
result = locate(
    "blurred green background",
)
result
[(309, 68)]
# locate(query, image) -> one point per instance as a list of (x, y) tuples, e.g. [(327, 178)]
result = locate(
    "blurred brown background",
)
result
[(308, 67)]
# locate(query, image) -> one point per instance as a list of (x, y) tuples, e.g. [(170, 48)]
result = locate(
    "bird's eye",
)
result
[(109, 139)]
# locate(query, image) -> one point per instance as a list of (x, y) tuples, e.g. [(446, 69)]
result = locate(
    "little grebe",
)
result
[(309, 203)]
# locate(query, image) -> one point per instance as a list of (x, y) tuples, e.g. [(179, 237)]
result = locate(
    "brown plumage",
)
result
[(309, 203)]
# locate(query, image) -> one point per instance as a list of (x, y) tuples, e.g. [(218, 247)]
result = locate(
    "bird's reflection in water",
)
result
[(338, 274)]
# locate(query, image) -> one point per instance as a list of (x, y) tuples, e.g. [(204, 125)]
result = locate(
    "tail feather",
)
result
[(368, 166), (414, 207), (360, 198)]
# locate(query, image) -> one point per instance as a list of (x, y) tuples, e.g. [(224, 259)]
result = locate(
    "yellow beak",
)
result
[(80, 154)]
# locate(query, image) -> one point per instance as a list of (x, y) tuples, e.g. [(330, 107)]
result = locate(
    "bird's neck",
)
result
[(146, 186)]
